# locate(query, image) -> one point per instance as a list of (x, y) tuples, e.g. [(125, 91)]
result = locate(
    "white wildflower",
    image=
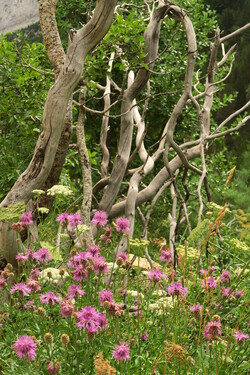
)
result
[(59, 190)]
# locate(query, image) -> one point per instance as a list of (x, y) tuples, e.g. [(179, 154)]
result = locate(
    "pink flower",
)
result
[(100, 218), (33, 285), (29, 305), (107, 235), (25, 347), (74, 291), (225, 292), (123, 256), (239, 293), (176, 289), (90, 319), (212, 330), (209, 283), (121, 352), (21, 288), (80, 273), (156, 275), (122, 225), (74, 220), (34, 274), (62, 218), (49, 298), (94, 249), (166, 256), (26, 219), (67, 308), (115, 309), (21, 257), (225, 276), (100, 264), (240, 337), (203, 272), (42, 255), (54, 367), (196, 309), (143, 336), (105, 295), (82, 258)]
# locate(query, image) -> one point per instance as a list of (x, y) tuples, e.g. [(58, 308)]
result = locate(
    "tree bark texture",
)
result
[(80, 43)]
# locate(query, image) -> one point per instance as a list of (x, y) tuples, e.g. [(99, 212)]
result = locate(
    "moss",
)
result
[(12, 213)]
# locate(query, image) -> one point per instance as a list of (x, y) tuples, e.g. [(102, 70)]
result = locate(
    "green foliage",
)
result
[(199, 234), (22, 95), (238, 194), (12, 212)]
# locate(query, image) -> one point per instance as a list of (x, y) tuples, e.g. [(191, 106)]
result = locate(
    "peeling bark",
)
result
[(81, 42)]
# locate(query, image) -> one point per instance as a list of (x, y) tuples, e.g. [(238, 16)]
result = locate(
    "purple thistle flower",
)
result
[(100, 218), (239, 293), (82, 258), (107, 235), (94, 249), (2, 283), (90, 319), (122, 225), (100, 264), (121, 352), (80, 273), (29, 305), (156, 275), (196, 309), (143, 336), (25, 347), (225, 276), (105, 295), (49, 298), (74, 219), (176, 289), (67, 308), (54, 367), (21, 288), (26, 219), (21, 257), (123, 256), (34, 274), (209, 283), (212, 330), (74, 291), (225, 292), (62, 218), (33, 285), (42, 255), (241, 337), (166, 256)]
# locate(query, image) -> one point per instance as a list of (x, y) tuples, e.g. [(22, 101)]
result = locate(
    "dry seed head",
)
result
[(73, 251), (176, 351), (9, 267), (106, 305), (217, 318), (61, 271), (103, 367), (41, 311), (230, 175), (64, 339), (48, 338)]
